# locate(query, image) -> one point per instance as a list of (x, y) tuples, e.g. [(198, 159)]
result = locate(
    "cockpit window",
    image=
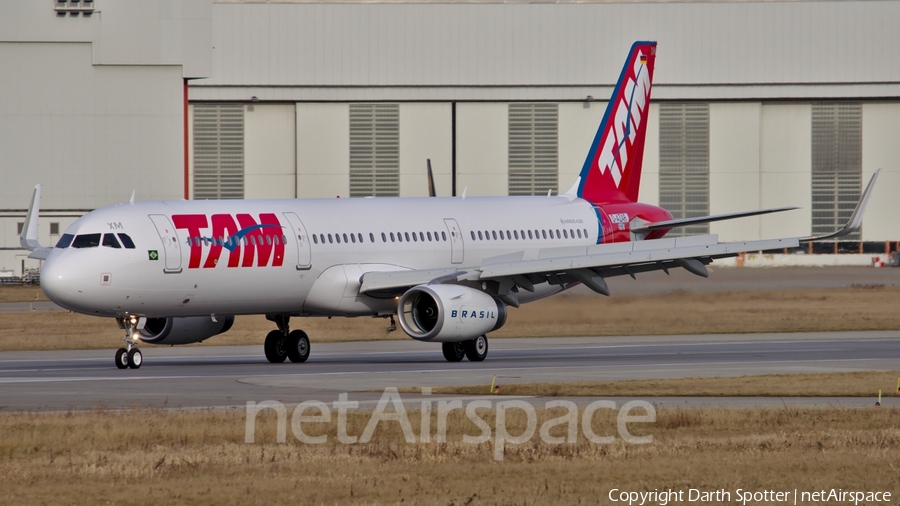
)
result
[(109, 240), (65, 241), (86, 241), (126, 241)]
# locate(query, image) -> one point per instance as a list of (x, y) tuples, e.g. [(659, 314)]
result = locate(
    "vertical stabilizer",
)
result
[(612, 170)]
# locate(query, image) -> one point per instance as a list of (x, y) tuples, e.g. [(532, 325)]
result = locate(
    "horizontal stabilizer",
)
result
[(683, 222), (856, 218)]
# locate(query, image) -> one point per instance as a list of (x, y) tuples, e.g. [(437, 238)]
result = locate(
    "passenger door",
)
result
[(171, 250), (304, 254), (457, 251)]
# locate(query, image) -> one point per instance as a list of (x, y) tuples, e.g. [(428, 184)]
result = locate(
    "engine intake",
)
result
[(184, 330), (449, 313)]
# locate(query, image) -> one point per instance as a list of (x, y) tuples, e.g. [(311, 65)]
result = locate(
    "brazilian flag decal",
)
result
[(154, 255)]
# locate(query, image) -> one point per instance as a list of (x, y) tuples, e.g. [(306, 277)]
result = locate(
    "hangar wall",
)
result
[(760, 156), (91, 106), (759, 67)]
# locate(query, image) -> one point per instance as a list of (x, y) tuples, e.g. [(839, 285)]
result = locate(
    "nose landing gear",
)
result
[(284, 344), (130, 356)]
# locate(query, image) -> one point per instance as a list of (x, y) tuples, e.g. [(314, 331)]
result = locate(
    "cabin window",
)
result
[(473, 234), (429, 236), (586, 234), (353, 238), (371, 237), (579, 233), (345, 238), (407, 236), (383, 237), (65, 241), (392, 237), (444, 235), (480, 238), (315, 239), (360, 237), (414, 237), (544, 233), (495, 235), (109, 240), (421, 237), (330, 241), (268, 240)]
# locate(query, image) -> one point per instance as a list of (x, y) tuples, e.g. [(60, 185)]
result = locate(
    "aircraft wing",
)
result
[(855, 220), (589, 265), (585, 264), (849, 228)]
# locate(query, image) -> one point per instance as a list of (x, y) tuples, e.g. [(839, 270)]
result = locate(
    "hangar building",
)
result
[(755, 104)]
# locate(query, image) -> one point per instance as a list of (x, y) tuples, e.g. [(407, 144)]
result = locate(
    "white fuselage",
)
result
[(206, 270)]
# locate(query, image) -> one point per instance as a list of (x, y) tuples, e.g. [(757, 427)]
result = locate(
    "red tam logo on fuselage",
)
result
[(245, 239)]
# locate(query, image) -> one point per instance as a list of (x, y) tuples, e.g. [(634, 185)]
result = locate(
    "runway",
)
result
[(220, 376)]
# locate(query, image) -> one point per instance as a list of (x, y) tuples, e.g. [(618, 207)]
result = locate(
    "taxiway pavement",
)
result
[(223, 376)]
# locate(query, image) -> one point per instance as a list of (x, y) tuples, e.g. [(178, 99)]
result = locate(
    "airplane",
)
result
[(177, 272)]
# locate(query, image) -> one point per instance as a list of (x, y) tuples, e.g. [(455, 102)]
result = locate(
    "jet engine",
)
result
[(449, 313), (185, 330)]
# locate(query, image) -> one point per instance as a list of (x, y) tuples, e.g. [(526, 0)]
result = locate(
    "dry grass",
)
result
[(857, 308), (844, 384), (21, 293), (160, 457)]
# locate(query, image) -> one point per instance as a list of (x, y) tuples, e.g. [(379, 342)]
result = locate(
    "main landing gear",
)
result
[(129, 356), (284, 344), (475, 350)]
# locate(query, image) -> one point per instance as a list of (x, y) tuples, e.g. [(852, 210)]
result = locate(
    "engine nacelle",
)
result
[(185, 330), (449, 313)]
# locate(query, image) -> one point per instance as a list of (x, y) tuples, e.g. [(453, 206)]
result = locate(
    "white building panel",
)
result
[(270, 151), (786, 167), (650, 171), (737, 49), (734, 169), (425, 132), (323, 150), (482, 143), (91, 134), (881, 126)]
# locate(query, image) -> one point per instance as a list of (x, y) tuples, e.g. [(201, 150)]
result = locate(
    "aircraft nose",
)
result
[(61, 282)]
